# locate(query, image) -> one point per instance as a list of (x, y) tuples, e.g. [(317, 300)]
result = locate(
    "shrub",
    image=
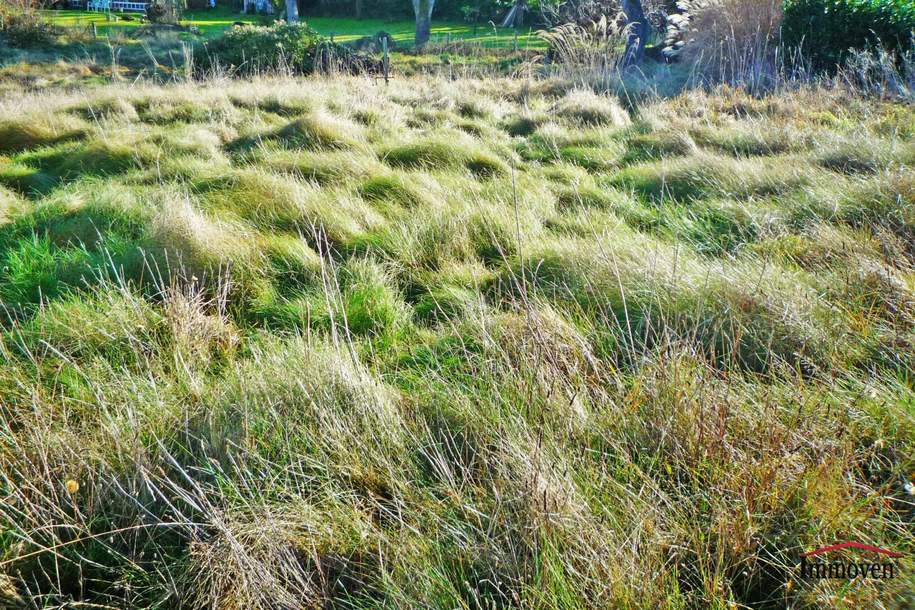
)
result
[(285, 46), (250, 48), (828, 29), (28, 30)]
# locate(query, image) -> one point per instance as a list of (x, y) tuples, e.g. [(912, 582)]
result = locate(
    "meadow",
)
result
[(283, 343), (515, 329)]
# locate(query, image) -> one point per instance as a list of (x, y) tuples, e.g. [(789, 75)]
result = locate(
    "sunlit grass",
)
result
[(471, 343), (213, 22)]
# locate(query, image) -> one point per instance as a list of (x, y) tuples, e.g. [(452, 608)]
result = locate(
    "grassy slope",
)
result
[(452, 344), (212, 23)]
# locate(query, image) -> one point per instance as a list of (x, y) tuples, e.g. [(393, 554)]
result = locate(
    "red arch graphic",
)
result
[(851, 545)]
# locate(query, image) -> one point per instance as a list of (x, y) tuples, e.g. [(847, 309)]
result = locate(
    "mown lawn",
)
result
[(210, 23), (213, 22)]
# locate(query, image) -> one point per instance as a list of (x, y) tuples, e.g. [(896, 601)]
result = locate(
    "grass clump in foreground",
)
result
[(263, 350)]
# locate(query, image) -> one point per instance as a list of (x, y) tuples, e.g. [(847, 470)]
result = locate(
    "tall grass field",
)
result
[(279, 342)]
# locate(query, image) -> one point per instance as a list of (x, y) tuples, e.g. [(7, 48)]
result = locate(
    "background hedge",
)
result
[(827, 29)]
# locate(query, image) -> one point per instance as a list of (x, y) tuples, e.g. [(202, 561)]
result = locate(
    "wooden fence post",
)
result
[(384, 58)]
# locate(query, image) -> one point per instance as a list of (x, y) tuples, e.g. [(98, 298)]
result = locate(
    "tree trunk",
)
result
[(423, 11), (292, 11), (358, 9), (514, 16), (638, 28)]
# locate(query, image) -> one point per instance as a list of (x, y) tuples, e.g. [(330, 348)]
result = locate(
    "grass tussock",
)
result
[(391, 190), (440, 153), (452, 344), (33, 132), (323, 167), (708, 175), (585, 107), (318, 131)]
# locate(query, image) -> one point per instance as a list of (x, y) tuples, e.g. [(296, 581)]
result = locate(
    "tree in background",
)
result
[(477, 12), (21, 26), (515, 16), (828, 31), (638, 31), (165, 11), (423, 11), (17, 6), (292, 11)]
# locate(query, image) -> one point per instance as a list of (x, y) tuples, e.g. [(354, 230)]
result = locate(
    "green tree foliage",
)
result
[(292, 47), (828, 29), (22, 27), (250, 48)]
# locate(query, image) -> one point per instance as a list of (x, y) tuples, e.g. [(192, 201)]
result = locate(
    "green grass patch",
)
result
[(213, 22), (705, 175), (439, 153), (391, 190), (317, 132)]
